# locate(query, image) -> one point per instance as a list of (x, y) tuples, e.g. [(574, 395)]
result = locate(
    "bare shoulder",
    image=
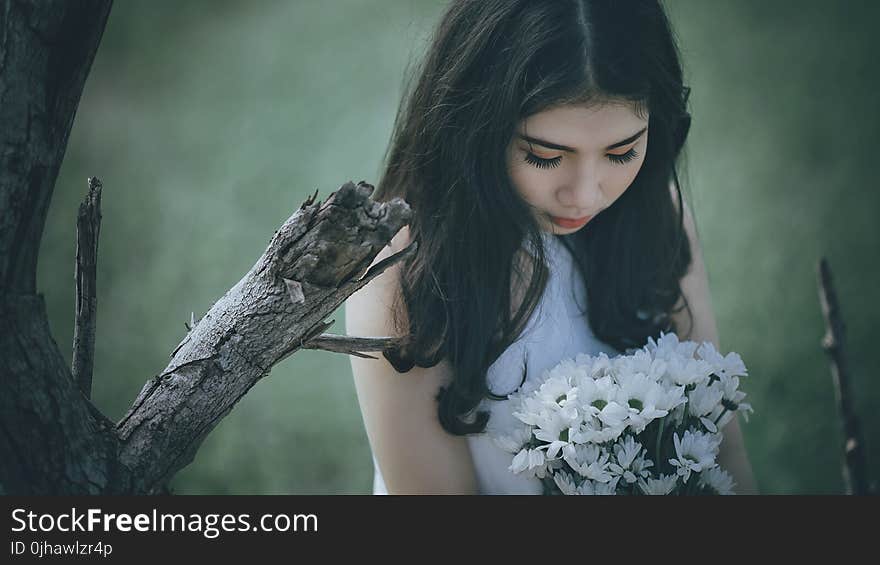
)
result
[(414, 453), (368, 312)]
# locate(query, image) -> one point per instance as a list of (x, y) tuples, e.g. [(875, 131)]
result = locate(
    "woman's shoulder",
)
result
[(369, 310)]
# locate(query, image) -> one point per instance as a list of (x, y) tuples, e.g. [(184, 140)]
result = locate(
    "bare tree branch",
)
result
[(351, 345), (88, 229), (324, 249), (53, 440), (855, 473)]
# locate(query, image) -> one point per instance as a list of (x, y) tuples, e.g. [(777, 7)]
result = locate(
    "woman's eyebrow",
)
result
[(551, 145)]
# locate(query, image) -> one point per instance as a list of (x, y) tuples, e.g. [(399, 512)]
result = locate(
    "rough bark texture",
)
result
[(88, 229), (53, 440), (320, 250)]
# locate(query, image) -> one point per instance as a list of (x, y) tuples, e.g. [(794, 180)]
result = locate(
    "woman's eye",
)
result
[(624, 158), (542, 163)]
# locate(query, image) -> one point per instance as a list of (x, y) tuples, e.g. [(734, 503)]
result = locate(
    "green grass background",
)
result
[(210, 122)]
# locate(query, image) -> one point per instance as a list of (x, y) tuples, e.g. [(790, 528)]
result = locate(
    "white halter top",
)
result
[(556, 330)]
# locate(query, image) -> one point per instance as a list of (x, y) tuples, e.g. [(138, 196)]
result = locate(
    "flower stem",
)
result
[(723, 412)]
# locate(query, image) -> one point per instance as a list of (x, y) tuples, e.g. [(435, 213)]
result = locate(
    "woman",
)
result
[(538, 150)]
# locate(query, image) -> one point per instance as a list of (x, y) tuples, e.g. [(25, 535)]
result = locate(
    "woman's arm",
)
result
[(414, 453), (695, 286)]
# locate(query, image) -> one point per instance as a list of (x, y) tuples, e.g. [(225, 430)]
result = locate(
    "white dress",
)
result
[(555, 331)]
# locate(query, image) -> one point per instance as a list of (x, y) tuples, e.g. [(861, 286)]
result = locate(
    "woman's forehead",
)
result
[(585, 126)]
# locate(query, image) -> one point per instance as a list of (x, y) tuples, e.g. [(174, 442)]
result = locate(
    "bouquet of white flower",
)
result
[(644, 423)]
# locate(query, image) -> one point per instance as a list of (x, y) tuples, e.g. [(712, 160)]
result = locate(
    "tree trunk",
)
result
[(53, 440)]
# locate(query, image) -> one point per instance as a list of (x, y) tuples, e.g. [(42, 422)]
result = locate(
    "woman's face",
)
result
[(572, 162)]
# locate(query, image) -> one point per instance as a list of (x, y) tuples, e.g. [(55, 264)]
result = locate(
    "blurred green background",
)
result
[(210, 122)]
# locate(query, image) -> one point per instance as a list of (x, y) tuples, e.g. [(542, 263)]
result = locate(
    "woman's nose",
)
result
[(584, 195)]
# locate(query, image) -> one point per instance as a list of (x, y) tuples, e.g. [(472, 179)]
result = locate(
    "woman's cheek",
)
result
[(625, 180)]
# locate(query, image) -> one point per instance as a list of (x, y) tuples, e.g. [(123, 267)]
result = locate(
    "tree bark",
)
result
[(88, 228), (320, 250), (53, 440)]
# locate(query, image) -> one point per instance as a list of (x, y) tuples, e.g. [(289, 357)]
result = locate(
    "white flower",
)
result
[(588, 460), (595, 394), (602, 417), (557, 389), (626, 451), (641, 361), (668, 346), (640, 467), (695, 451), (608, 488), (552, 407), (580, 422), (709, 425), (565, 483), (730, 365), (731, 402), (640, 394), (553, 428), (663, 485), (589, 487), (537, 463), (688, 371), (703, 399), (586, 488), (513, 441), (704, 403), (537, 412), (596, 367), (532, 461), (628, 462), (520, 461), (593, 431), (730, 389), (718, 480)]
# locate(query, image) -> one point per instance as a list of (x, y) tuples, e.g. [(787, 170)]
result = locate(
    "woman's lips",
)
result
[(569, 223)]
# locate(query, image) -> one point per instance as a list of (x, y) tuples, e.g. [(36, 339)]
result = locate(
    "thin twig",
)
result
[(88, 228), (855, 473), (351, 345)]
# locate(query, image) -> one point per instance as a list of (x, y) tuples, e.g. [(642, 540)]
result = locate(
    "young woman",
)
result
[(537, 148)]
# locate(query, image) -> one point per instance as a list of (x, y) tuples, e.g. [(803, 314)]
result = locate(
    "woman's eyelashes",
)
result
[(624, 157), (542, 163)]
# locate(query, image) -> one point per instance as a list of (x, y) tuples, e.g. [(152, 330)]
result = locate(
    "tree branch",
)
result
[(88, 228), (312, 264), (351, 345), (51, 441), (855, 473)]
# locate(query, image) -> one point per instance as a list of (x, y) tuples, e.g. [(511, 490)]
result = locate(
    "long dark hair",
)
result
[(490, 64)]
